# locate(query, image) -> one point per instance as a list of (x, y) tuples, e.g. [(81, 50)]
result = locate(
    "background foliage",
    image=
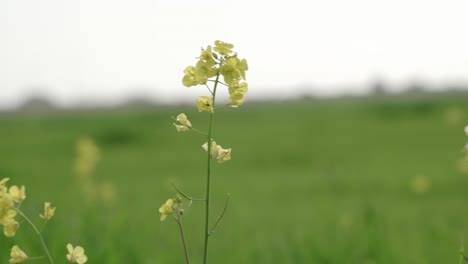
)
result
[(334, 181)]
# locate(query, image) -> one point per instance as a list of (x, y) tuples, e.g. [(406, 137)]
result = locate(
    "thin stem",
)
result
[(185, 195), (179, 221), (207, 87), (208, 176), (219, 82), (222, 106), (34, 258), (222, 215), (201, 132), (44, 246)]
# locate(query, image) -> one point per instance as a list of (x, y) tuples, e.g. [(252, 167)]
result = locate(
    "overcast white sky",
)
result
[(110, 49)]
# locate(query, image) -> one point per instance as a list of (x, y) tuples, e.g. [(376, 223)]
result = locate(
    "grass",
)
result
[(310, 182)]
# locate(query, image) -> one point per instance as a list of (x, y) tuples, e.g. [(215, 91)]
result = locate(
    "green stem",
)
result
[(179, 221), (208, 180), (44, 246)]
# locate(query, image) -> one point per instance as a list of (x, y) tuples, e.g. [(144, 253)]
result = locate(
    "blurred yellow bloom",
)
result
[(420, 184), (205, 104), (17, 255), (7, 208), (48, 211), (88, 155), (166, 209), (76, 254), (453, 115), (466, 130), (18, 194), (3, 181)]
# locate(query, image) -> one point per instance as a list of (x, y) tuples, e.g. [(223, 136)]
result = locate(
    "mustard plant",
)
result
[(10, 202), (213, 63)]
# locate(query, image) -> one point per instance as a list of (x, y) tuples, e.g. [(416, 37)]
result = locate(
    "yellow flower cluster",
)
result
[(8, 199), (213, 62), (217, 152), (170, 206)]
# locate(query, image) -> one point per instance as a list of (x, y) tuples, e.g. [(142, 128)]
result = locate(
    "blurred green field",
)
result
[(327, 181)]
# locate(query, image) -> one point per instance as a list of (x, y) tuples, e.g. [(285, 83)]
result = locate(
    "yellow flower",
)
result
[(3, 181), (17, 255), (214, 149), (223, 48), (76, 254), (224, 155), (17, 194), (466, 130), (181, 128), (208, 56), (10, 227), (48, 211), (217, 152), (237, 93), (189, 77), (182, 118), (166, 209), (205, 70), (205, 104), (233, 70), (186, 125)]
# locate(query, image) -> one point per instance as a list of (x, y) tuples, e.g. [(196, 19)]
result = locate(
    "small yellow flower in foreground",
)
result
[(166, 209), (48, 211), (17, 255), (205, 104), (182, 118), (76, 254), (18, 194), (466, 130)]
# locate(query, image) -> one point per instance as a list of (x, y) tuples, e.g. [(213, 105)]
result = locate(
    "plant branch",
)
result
[(44, 246), (207, 87), (222, 214), (185, 195), (219, 82), (179, 221)]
